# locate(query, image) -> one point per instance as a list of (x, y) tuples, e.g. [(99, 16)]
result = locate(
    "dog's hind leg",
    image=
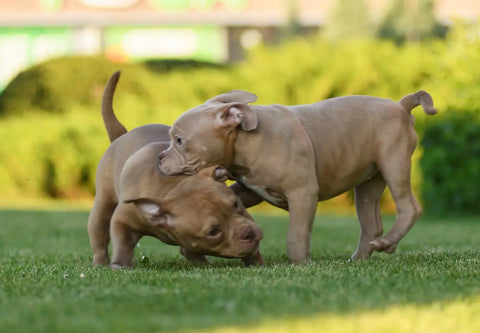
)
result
[(367, 203), (99, 228), (123, 241), (395, 169)]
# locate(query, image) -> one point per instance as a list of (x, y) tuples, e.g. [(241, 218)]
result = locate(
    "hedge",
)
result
[(451, 164), (50, 118), (53, 135)]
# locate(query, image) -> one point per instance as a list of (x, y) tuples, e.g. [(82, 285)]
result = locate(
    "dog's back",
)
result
[(124, 143), (113, 161)]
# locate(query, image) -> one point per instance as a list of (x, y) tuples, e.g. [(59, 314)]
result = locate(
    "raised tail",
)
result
[(422, 98), (113, 126)]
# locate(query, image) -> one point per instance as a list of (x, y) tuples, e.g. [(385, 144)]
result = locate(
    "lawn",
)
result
[(431, 284)]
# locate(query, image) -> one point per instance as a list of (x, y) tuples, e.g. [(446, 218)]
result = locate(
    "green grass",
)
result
[(47, 283)]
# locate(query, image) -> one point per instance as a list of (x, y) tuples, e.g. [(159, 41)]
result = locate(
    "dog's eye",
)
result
[(178, 140), (215, 231)]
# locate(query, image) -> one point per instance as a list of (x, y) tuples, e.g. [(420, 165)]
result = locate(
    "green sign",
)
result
[(24, 47), (21, 48), (205, 43)]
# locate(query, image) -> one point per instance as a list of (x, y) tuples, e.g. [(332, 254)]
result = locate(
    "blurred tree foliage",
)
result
[(450, 164), (403, 21), (407, 20), (349, 19), (53, 135)]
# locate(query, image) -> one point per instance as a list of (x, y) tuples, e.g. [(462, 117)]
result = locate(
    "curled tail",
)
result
[(113, 126), (422, 98)]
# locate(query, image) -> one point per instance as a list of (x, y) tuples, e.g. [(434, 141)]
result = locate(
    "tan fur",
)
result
[(134, 198), (294, 156)]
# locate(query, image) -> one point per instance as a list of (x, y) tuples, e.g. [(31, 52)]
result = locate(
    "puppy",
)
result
[(294, 156), (134, 198)]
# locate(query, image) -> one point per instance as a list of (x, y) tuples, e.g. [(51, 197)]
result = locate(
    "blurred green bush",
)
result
[(53, 134), (451, 164), (53, 86), (51, 125)]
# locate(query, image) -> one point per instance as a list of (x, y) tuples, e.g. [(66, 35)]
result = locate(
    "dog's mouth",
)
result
[(250, 253), (188, 172), (168, 172), (165, 170), (255, 258)]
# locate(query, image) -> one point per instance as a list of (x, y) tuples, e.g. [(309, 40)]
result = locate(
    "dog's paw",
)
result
[(358, 255), (383, 244), (117, 267), (101, 260)]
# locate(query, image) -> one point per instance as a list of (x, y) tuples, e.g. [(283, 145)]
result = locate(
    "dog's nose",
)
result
[(247, 233)]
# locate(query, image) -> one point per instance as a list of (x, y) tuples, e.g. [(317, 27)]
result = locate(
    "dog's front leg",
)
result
[(302, 204)]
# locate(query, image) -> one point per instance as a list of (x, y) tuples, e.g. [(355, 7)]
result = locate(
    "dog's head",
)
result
[(202, 215), (203, 136)]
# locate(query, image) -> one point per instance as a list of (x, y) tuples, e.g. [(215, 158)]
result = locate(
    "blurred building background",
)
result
[(216, 31)]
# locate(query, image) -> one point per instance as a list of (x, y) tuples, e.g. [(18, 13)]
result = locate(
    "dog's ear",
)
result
[(152, 211), (217, 173), (240, 96), (234, 114)]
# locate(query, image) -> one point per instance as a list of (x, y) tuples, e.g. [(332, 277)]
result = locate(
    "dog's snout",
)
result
[(247, 233)]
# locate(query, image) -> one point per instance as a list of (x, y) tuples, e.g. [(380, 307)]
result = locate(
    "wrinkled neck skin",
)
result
[(242, 152), (229, 153)]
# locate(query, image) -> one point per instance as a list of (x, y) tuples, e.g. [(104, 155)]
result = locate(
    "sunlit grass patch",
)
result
[(460, 316)]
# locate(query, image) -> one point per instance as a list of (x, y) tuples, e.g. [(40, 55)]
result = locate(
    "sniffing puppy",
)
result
[(134, 198)]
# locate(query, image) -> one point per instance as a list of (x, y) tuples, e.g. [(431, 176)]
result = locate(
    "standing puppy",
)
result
[(294, 156), (134, 198)]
